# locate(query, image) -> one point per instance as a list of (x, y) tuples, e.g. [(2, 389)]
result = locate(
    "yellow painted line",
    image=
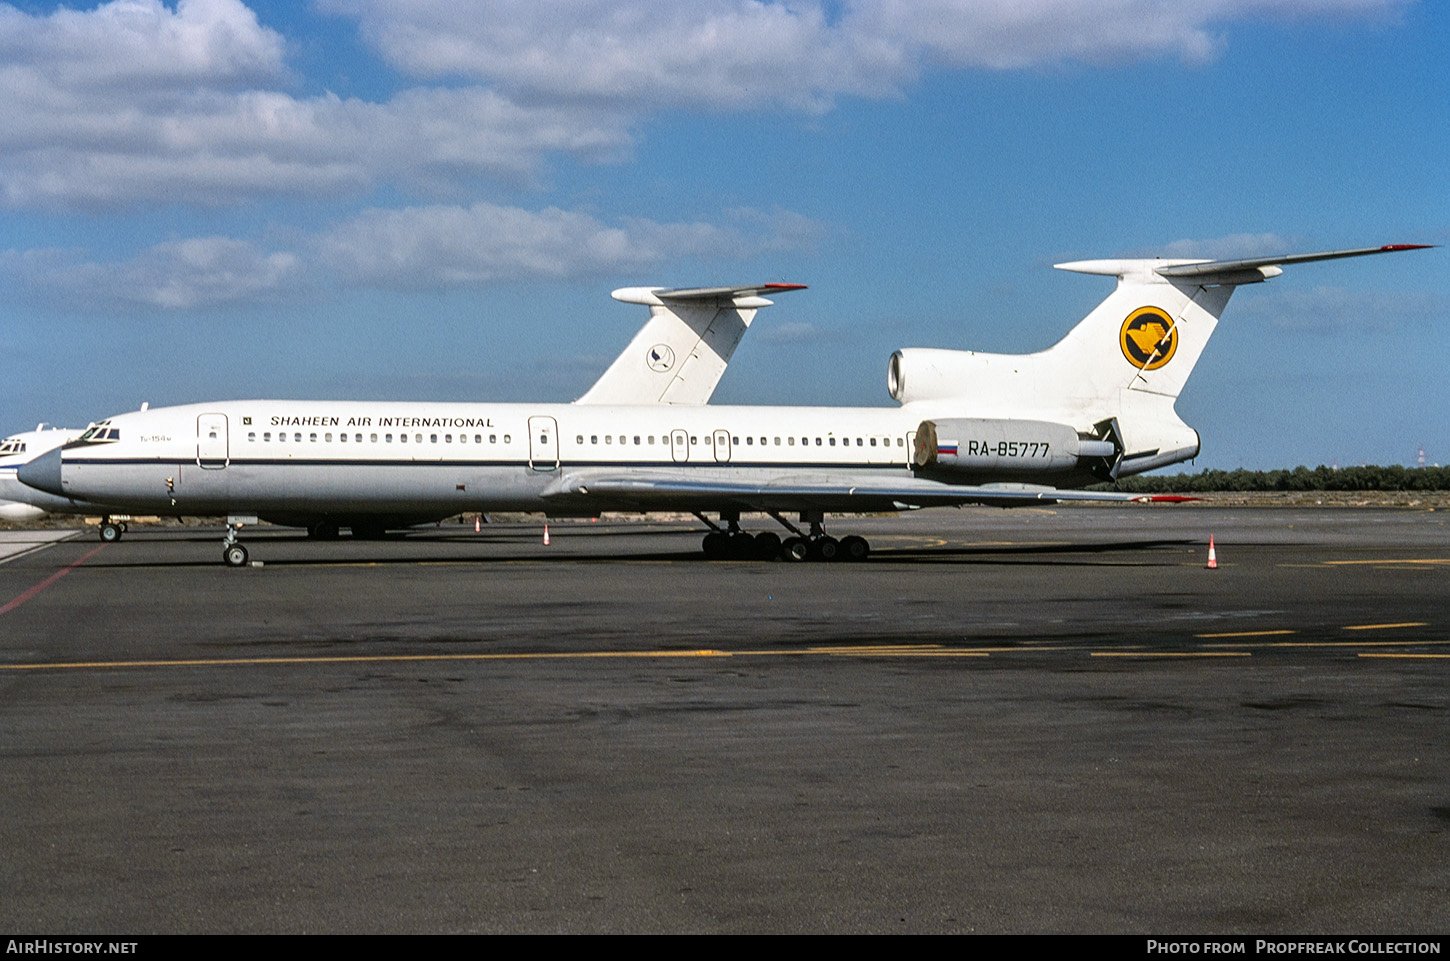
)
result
[(909, 654), (1247, 633), (897, 650), (367, 659), (850, 648), (1384, 627), (1171, 654), (1404, 560), (1412, 657)]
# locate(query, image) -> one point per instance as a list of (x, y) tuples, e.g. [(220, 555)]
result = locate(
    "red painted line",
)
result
[(48, 581)]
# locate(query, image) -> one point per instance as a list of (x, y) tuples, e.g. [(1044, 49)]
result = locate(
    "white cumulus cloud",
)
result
[(196, 273), (135, 102), (731, 54), (449, 245)]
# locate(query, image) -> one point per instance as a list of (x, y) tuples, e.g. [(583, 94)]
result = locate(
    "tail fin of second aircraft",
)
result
[(680, 354)]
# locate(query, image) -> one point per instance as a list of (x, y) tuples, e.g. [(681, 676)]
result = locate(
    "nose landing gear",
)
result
[(233, 553)]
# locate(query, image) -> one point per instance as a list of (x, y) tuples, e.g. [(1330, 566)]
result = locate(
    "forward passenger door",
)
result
[(543, 443)]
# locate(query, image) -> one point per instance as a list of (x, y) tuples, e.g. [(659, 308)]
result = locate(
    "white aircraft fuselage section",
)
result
[(424, 458), (293, 460), (20, 502)]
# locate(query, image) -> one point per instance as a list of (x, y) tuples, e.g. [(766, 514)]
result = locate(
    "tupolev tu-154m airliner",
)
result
[(970, 428)]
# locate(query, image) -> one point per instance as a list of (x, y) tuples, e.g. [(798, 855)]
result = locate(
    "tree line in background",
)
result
[(1393, 478)]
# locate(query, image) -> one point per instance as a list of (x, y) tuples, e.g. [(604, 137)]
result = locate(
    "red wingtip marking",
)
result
[(1171, 499), (786, 286), (1407, 246)]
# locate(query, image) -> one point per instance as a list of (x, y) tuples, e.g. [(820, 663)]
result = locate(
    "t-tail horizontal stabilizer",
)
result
[(680, 354), (1251, 270)]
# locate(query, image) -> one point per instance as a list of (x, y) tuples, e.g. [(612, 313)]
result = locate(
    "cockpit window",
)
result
[(100, 434), (12, 446)]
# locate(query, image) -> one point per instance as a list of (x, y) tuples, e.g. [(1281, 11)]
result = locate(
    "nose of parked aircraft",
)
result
[(42, 473)]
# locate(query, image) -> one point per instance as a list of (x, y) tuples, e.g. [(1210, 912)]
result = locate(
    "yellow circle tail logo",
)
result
[(1148, 338)]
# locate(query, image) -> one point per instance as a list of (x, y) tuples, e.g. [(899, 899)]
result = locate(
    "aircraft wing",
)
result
[(834, 493)]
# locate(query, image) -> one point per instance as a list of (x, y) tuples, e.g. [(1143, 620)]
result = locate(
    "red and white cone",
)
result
[(1212, 555), (546, 535), (477, 525)]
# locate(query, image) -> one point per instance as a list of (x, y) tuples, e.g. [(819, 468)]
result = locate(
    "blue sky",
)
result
[(371, 199)]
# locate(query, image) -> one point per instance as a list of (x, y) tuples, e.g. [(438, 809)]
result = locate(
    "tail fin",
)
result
[(680, 354), (1127, 361), (1147, 336)]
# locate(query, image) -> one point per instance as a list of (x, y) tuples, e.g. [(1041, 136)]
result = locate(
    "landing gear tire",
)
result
[(795, 549), (767, 546), (322, 531), (111, 532), (825, 549), (235, 556), (854, 548), (741, 547), (715, 544)]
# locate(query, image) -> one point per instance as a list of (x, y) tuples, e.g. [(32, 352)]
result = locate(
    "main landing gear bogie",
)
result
[(735, 544)]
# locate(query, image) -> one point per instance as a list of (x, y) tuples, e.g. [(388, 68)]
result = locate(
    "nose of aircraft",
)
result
[(43, 473)]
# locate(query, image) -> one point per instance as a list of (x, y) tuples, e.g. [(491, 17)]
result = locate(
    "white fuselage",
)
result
[(307, 458), (20, 502), (298, 461)]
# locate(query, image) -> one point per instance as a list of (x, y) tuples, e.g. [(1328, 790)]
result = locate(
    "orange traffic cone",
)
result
[(477, 525), (546, 535), (1212, 556)]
